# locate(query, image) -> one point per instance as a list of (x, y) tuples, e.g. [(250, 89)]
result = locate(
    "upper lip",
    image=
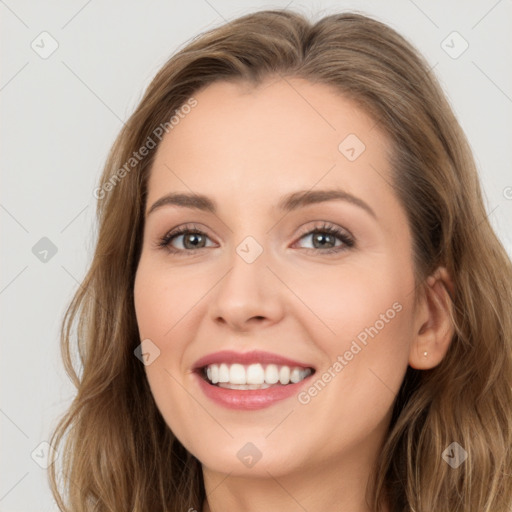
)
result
[(252, 357)]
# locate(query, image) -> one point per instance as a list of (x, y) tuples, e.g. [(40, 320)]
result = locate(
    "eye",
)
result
[(325, 236), (192, 239)]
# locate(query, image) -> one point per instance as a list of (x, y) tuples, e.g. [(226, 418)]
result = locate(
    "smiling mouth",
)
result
[(253, 376)]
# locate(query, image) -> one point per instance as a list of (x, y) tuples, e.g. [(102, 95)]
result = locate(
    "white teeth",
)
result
[(223, 373), (295, 375), (284, 375), (237, 374), (244, 386), (214, 373), (254, 376), (271, 374)]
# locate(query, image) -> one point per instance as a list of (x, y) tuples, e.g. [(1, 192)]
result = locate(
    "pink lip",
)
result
[(255, 356), (248, 399)]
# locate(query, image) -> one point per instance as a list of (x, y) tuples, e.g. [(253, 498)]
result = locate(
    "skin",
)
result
[(245, 148)]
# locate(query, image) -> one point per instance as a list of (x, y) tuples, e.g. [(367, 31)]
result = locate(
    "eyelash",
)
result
[(325, 227)]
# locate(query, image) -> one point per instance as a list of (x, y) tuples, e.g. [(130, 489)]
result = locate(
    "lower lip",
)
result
[(249, 399)]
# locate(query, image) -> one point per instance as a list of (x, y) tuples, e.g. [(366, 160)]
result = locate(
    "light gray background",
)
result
[(61, 114)]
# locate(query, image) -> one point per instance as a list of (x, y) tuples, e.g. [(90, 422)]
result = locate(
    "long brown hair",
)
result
[(117, 451)]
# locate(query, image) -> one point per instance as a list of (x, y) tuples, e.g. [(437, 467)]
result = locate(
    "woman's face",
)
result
[(258, 271)]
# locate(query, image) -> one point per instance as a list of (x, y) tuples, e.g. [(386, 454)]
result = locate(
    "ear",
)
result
[(433, 326)]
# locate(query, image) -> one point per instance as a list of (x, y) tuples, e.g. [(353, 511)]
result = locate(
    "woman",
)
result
[(224, 364)]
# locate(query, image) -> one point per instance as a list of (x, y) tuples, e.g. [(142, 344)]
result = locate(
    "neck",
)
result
[(335, 485)]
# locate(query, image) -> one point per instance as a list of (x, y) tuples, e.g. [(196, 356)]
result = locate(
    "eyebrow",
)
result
[(288, 203)]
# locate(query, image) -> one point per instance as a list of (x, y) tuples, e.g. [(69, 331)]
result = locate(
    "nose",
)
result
[(249, 295)]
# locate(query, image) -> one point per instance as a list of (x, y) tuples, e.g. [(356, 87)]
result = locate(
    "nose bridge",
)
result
[(248, 289)]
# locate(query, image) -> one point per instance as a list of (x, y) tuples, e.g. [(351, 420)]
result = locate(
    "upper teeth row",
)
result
[(255, 374)]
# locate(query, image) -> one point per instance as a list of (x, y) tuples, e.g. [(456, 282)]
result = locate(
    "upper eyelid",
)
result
[(303, 231), (326, 225)]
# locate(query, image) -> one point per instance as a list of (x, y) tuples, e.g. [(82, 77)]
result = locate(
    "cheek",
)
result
[(362, 321), (165, 298), (366, 356), (158, 310), (344, 301), (162, 317)]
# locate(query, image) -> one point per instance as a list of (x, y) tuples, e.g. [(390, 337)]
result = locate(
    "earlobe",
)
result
[(435, 329)]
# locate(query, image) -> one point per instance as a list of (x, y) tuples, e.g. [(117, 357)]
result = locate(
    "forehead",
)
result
[(268, 140)]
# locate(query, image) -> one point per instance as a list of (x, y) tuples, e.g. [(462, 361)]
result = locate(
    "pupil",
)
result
[(193, 238), (320, 237)]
